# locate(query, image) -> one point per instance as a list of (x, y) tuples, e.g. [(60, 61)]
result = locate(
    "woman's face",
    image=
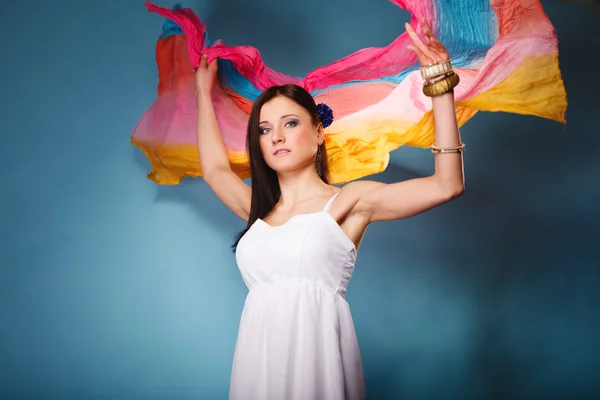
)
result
[(288, 139)]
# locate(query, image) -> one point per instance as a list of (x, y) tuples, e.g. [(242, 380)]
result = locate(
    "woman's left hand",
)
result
[(430, 52)]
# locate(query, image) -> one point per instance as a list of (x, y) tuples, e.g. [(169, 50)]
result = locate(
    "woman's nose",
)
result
[(277, 137)]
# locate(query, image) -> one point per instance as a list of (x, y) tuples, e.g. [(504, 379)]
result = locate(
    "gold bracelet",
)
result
[(436, 69), (442, 86), (442, 150)]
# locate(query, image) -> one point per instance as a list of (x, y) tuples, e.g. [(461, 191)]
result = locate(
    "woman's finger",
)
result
[(429, 37), (433, 43), (213, 65), (433, 40), (426, 53), (414, 50), (426, 28), (414, 37), (417, 53)]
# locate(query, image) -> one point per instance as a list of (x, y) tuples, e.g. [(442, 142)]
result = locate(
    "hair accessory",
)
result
[(325, 114)]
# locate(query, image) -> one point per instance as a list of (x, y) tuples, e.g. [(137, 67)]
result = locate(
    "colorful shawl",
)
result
[(505, 52)]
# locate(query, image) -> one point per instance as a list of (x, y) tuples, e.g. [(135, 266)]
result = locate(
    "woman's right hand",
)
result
[(205, 75)]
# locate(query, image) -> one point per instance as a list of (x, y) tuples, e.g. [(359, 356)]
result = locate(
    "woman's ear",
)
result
[(320, 133)]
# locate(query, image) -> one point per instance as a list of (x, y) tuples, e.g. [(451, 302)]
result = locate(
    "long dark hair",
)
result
[(265, 185)]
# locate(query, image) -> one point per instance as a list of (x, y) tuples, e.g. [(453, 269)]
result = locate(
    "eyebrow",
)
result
[(282, 117)]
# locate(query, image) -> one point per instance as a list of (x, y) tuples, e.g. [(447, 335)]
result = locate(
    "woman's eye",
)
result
[(290, 124), (263, 130)]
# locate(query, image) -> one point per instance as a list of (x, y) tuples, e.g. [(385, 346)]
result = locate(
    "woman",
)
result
[(296, 338)]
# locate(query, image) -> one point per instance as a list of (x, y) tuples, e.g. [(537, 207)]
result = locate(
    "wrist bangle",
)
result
[(441, 86), (436, 69), (442, 150)]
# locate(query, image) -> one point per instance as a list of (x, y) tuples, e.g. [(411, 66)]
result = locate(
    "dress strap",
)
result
[(328, 205)]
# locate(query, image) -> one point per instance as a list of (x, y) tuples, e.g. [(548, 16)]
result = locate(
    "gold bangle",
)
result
[(436, 69), (443, 150), (442, 86)]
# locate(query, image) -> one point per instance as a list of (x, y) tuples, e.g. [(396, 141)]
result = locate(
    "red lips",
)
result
[(285, 151)]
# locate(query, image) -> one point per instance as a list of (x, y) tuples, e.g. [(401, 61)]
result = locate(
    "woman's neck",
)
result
[(297, 187)]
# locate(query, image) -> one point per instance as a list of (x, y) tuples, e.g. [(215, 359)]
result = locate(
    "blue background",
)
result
[(112, 286)]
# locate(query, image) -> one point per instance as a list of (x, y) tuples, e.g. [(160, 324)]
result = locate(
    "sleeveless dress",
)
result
[(296, 339)]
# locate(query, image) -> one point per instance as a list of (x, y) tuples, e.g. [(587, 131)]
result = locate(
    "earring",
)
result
[(318, 160)]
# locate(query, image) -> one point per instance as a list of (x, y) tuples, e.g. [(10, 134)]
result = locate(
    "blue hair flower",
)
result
[(325, 114)]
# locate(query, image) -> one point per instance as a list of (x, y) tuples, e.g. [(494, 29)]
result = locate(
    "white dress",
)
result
[(296, 339)]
